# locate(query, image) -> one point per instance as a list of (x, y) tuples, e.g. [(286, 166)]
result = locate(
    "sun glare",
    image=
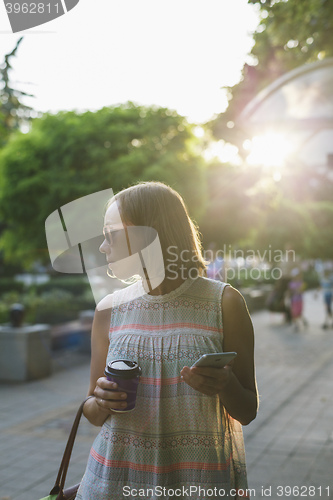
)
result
[(223, 152), (269, 150)]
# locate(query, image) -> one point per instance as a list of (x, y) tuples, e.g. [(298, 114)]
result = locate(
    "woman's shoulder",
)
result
[(121, 296), (207, 288), (105, 303), (232, 298)]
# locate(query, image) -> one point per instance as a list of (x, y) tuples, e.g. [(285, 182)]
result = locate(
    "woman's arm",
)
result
[(97, 409), (235, 383), (239, 396)]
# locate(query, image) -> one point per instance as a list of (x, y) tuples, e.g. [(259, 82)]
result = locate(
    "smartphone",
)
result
[(215, 360)]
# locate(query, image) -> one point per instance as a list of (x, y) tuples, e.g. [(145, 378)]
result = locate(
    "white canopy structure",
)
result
[(292, 119)]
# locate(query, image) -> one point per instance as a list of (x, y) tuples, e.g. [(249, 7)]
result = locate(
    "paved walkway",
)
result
[(289, 444), (291, 441)]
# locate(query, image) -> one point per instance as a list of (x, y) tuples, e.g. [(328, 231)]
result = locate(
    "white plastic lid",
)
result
[(121, 365)]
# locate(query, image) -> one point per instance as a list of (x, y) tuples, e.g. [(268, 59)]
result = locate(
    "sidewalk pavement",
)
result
[(289, 444)]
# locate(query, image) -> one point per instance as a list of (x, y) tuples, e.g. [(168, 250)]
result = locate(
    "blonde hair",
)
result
[(157, 205)]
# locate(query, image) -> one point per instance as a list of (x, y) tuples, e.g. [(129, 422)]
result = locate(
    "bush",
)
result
[(56, 305), (311, 278), (7, 300), (11, 285), (4, 313), (75, 285)]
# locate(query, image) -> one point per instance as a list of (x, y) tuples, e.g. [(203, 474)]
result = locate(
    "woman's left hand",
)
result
[(209, 381)]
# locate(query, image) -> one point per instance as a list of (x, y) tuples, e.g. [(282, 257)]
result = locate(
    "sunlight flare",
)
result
[(269, 150), (223, 152)]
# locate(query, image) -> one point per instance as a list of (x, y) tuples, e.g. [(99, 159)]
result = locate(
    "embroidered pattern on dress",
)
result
[(172, 442), (176, 303)]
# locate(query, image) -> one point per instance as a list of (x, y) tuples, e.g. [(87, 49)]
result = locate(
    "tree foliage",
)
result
[(70, 155), (293, 32), (230, 214), (295, 209), (13, 113), (290, 33)]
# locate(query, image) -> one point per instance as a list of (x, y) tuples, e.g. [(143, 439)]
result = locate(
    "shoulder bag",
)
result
[(58, 491)]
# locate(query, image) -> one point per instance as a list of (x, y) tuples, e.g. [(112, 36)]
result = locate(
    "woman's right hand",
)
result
[(107, 396)]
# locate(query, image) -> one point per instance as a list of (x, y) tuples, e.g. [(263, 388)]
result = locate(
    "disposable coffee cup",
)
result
[(126, 374)]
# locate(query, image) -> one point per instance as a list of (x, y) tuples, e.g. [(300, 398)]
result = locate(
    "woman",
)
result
[(185, 431), (296, 289)]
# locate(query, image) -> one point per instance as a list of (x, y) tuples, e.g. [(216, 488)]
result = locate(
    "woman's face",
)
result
[(123, 244), (116, 244), (128, 248)]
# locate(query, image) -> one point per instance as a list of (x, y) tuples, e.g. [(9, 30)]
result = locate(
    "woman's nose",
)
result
[(104, 246)]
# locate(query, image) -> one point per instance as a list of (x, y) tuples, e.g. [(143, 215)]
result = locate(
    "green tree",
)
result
[(290, 33), (13, 113), (230, 216), (70, 155), (295, 209)]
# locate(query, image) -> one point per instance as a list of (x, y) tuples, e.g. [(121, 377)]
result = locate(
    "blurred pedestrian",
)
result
[(296, 289), (215, 268), (279, 299), (327, 286)]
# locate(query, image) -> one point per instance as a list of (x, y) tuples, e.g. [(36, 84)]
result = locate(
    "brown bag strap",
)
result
[(61, 478)]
